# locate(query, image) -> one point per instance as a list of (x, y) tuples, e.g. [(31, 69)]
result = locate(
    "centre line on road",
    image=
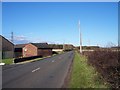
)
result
[(35, 69)]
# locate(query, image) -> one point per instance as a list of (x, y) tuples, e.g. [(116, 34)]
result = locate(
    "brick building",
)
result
[(6, 48), (18, 50), (32, 49)]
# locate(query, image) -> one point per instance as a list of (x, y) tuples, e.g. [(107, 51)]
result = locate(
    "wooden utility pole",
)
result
[(12, 37), (80, 38)]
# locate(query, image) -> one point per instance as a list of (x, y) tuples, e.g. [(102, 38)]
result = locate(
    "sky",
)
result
[(60, 0), (57, 22)]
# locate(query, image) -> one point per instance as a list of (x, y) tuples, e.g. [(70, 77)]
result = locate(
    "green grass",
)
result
[(7, 61), (84, 75)]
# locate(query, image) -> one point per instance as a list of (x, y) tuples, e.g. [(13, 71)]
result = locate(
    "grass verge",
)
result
[(84, 75), (106, 62), (8, 61)]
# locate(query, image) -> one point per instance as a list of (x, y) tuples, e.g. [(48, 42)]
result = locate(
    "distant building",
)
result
[(6, 48), (56, 47), (88, 47), (68, 47), (43, 49), (61, 47), (116, 47), (32, 49)]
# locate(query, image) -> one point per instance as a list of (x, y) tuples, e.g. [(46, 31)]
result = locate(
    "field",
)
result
[(106, 63), (84, 75)]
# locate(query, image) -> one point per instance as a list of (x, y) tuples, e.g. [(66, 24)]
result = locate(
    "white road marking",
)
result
[(35, 69)]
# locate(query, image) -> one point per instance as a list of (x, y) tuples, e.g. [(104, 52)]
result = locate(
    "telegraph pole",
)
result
[(80, 38), (12, 37), (63, 45)]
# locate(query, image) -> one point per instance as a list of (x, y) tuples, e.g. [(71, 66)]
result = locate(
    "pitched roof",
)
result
[(38, 45), (19, 45), (56, 46), (1, 38), (41, 45)]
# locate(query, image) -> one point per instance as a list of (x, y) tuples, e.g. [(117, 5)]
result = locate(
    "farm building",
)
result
[(56, 47), (18, 50), (68, 47), (61, 47), (6, 48), (32, 49), (43, 49)]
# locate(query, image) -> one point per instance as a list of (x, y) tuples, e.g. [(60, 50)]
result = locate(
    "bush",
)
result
[(25, 59), (106, 63), (53, 52)]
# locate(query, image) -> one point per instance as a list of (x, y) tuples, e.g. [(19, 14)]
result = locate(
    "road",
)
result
[(47, 73)]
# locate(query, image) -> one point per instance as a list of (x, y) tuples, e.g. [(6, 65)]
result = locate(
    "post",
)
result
[(63, 46), (80, 38), (12, 37)]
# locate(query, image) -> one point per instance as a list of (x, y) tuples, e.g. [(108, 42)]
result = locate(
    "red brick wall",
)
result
[(45, 52), (29, 50)]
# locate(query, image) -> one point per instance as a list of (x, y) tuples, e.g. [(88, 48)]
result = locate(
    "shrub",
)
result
[(106, 63), (25, 59)]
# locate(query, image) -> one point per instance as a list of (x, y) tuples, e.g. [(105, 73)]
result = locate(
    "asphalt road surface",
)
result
[(47, 73)]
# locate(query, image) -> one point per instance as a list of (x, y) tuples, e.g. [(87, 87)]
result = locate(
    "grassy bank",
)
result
[(8, 61), (84, 75)]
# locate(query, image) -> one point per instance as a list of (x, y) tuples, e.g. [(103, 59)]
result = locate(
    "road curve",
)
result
[(47, 73)]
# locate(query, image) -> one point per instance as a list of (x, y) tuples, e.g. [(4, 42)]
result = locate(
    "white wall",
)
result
[(57, 50)]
